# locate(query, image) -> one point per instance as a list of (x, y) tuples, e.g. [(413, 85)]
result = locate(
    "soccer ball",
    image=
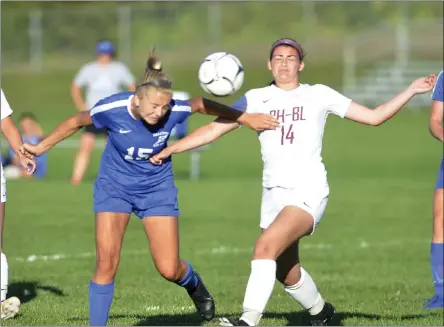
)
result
[(221, 74)]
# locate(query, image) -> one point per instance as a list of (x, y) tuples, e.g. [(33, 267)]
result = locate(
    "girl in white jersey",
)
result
[(9, 307), (100, 78), (295, 188)]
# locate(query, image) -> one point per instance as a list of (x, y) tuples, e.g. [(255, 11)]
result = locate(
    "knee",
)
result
[(107, 263), (264, 249), (170, 271)]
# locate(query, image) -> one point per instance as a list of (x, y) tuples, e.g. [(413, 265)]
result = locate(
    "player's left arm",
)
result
[(375, 117), (13, 136), (255, 121)]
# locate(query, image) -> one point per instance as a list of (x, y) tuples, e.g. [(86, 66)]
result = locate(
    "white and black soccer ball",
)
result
[(221, 74)]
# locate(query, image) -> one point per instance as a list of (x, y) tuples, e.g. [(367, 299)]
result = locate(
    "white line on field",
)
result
[(158, 308), (223, 250)]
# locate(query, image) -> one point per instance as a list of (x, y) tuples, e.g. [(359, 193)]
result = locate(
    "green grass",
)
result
[(369, 256)]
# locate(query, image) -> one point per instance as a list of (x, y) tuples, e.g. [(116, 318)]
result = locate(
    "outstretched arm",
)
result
[(384, 112), (12, 134), (65, 129), (200, 137), (254, 121)]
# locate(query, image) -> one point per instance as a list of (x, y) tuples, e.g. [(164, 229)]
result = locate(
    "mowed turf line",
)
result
[(369, 256)]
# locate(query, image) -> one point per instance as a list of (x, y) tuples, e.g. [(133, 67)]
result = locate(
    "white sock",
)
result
[(4, 276), (259, 288), (306, 293)]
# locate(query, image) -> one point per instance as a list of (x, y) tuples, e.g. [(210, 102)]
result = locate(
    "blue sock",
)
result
[(437, 263), (189, 281), (100, 298)]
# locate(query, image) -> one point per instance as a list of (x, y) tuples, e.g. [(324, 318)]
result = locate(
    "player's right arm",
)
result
[(203, 135), (64, 130), (437, 111), (199, 137)]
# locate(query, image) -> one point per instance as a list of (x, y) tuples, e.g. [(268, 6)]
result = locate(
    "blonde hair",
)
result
[(154, 77)]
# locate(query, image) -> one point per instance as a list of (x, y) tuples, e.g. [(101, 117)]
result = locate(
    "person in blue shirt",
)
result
[(31, 133), (436, 250), (139, 125)]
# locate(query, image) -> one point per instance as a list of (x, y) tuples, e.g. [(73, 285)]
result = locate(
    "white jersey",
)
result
[(292, 153)]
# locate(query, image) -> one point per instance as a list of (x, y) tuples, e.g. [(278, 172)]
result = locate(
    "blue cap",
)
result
[(105, 47)]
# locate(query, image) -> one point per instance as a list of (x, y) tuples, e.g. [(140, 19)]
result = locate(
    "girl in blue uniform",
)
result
[(436, 250)]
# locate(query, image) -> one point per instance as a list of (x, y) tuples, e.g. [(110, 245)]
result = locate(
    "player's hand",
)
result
[(30, 150), (157, 159), (259, 122), (423, 84), (28, 164)]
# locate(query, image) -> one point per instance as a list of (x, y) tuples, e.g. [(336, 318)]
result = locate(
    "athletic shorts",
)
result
[(275, 199), (94, 130), (3, 185), (440, 180), (160, 200)]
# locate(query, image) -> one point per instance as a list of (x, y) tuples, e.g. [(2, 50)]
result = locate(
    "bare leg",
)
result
[(87, 141)]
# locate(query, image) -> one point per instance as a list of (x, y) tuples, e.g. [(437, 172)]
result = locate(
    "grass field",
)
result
[(369, 256)]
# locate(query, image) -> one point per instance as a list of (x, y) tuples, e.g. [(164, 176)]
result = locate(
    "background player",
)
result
[(31, 133), (436, 250), (295, 187), (100, 78), (11, 306), (139, 126)]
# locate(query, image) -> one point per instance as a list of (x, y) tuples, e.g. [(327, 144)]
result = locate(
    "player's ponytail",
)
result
[(153, 63), (153, 76)]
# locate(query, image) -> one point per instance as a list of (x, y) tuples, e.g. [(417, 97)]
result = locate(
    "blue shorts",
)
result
[(440, 181), (160, 200)]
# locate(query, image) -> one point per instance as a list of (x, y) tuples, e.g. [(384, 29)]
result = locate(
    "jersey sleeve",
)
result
[(100, 114), (181, 111), (333, 101), (438, 90), (125, 76), (82, 77), (5, 107), (244, 103)]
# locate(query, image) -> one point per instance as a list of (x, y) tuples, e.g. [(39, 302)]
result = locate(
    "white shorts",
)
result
[(3, 185), (275, 199)]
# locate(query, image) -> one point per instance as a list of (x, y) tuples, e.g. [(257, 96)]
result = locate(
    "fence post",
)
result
[(124, 33), (214, 22), (349, 73), (35, 39)]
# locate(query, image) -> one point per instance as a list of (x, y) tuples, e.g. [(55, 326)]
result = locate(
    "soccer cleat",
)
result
[(10, 307), (202, 300), (323, 317), (232, 322), (436, 302)]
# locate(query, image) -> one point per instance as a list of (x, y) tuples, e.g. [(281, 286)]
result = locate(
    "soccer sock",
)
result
[(306, 293), (4, 276), (189, 281), (100, 298), (259, 288), (437, 263)]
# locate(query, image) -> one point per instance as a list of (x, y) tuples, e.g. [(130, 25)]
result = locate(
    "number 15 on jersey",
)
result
[(141, 153)]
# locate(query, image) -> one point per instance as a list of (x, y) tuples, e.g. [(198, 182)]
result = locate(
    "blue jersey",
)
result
[(438, 91), (131, 142)]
